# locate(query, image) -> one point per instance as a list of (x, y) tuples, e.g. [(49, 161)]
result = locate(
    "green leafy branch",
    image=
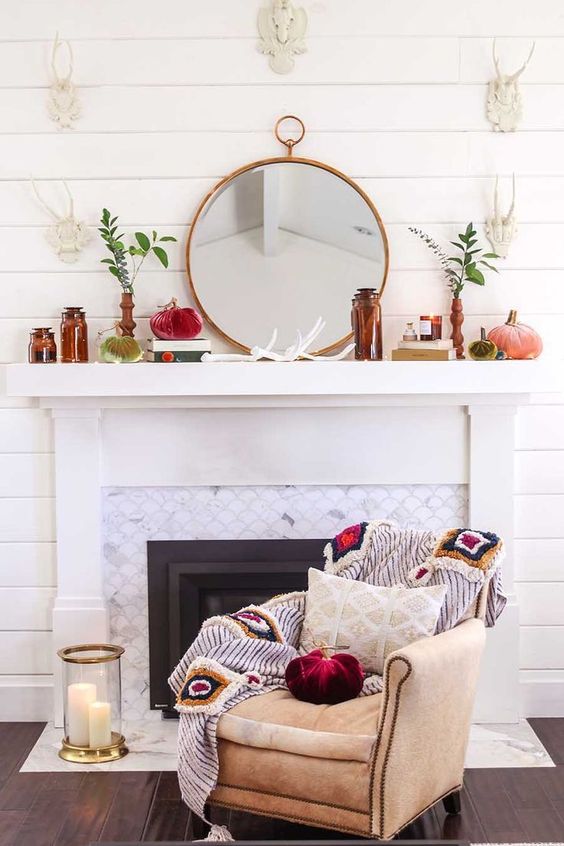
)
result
[(460, 269), (136, 253)]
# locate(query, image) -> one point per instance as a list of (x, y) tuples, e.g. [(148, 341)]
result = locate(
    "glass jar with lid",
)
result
[(74, 335), (367, 325), (42, 347)]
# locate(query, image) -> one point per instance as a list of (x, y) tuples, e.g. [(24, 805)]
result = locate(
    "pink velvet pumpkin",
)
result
[(324, 679), (173, 323), (517, 340)]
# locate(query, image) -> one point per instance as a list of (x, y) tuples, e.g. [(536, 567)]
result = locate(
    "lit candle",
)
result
[(100, 724), (79, 697)]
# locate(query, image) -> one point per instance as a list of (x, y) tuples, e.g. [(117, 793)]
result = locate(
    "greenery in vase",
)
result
[(126, 262), (463, 268)]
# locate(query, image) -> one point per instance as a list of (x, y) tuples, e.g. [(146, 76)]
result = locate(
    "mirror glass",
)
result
[(281, 244)]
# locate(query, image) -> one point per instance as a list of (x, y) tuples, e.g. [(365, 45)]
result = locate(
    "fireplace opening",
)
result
[(190, 581)]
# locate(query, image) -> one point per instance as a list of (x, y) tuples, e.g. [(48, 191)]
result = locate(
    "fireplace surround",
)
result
[(189, 581)]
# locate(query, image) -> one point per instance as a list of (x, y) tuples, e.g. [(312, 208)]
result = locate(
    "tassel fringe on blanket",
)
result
[(239, 655)]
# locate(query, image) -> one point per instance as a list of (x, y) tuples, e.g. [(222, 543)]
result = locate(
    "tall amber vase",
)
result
[(457, 319), (127, 323)]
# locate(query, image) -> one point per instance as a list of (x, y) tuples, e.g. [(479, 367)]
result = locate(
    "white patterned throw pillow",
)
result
[(371, 621)]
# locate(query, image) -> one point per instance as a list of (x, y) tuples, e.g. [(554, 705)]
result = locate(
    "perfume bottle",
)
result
[(409, 333)]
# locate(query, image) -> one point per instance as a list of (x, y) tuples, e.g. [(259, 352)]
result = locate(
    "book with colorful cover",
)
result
[(174, 356)]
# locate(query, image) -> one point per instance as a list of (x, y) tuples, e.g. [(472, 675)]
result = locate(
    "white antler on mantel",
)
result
[(297, 350)]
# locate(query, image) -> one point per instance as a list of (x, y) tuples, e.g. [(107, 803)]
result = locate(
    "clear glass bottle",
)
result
[(42, 347), (366, 319), (409, 333), (74, 335)]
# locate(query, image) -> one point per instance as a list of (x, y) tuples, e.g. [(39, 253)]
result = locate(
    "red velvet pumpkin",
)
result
[(323, 679), (175, 323), (517, 340)]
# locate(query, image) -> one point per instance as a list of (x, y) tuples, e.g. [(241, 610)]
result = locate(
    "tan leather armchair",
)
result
[(368, 766)]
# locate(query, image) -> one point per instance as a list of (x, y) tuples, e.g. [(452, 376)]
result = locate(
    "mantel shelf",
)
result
[(278, 380)]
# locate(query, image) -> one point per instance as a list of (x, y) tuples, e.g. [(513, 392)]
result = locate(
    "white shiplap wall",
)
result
[(175, 95)]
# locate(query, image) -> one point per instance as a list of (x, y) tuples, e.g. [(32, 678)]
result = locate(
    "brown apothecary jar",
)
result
[(42, 347), (366, 319), (74, 335)]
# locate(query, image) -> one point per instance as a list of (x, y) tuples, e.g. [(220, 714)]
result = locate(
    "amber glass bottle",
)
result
[(42, 347), (366, 319), (74, 335)]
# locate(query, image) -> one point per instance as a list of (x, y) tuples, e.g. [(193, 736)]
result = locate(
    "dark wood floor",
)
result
[(73, 809)]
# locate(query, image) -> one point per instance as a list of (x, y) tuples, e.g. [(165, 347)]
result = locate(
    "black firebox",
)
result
[(191, 580)]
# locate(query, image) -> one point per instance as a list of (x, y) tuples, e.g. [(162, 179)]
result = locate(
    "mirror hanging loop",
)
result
[(289, 143)]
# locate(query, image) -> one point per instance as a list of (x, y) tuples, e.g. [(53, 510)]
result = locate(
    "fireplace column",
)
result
[(80, 614)]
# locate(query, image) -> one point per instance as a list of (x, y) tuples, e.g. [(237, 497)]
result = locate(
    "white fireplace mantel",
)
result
[(281, 424)]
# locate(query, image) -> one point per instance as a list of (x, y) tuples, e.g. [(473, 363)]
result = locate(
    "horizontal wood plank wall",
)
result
[(174, 95)]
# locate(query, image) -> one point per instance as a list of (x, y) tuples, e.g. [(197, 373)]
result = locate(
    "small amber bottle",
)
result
[(366, 319), (42, 347), (74, 335)]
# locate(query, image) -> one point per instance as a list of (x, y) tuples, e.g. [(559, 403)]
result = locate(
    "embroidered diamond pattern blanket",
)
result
[(245, 653)]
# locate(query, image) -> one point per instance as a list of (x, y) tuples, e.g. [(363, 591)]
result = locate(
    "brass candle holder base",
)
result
[(85, 755)]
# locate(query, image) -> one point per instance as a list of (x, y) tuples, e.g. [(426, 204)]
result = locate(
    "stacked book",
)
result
[(424, 351), (170, 352)]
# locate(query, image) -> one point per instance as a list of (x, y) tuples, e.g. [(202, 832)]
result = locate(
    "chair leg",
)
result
[(452, 802)]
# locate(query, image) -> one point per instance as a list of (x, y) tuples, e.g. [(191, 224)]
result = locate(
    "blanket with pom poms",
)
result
[(243, 654)]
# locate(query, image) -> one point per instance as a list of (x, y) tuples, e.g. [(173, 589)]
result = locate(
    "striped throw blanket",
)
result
[(239, 655)]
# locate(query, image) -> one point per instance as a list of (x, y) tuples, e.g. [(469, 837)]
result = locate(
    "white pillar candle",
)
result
[(79, 697), (100, 724)]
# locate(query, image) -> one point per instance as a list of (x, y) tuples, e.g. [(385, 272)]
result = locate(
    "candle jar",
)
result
[(42, 347), (430, 327), (74, 335), (92, 704), (366, 320)]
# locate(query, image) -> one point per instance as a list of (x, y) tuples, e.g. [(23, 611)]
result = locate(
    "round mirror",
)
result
[(280, 243)]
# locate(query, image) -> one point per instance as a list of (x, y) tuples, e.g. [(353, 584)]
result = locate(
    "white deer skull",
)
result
[(282, 28), (68, 235), (501, 229), (505, 104), (63, 104)]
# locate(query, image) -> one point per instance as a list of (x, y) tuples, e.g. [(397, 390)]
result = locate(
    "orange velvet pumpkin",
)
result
[(517, 340), (323, 679)]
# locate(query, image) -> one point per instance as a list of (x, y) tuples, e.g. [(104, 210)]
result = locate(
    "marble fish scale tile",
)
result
[(132, 516)]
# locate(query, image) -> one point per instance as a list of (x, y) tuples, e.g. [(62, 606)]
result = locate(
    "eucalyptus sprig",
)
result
[(464, 268), (136, 252)]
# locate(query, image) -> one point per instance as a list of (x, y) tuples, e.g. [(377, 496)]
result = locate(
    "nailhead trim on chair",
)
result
[(293, 798), (379, 740)]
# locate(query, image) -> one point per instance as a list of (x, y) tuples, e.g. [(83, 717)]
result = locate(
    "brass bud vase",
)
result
[(456, 320), (127, 324)]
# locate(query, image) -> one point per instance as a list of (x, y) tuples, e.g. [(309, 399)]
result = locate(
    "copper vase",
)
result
[(127, 324), (457, 319)]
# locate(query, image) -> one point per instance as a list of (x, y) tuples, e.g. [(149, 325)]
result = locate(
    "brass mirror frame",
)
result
[(252, 166)]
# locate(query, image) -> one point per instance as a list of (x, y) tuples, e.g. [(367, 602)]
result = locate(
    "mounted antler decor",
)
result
[(501, 229), (68, 235), (505, 105), (63, 104), (282, 29)]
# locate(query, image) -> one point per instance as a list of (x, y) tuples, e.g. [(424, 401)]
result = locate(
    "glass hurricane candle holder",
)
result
[(92, 703)]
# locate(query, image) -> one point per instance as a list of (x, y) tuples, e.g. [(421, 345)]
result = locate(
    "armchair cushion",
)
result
[(278, 721)]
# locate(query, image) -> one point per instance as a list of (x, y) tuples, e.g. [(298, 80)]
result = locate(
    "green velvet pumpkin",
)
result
[(482, 350), (118, 349)]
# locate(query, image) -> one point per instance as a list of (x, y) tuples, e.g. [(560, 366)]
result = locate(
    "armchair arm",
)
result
[(429, 689)]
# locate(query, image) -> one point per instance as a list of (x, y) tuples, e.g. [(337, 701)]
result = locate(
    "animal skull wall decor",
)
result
[(67, 235), (501, 229), (505, 104), (63, 104), (282, 29)]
